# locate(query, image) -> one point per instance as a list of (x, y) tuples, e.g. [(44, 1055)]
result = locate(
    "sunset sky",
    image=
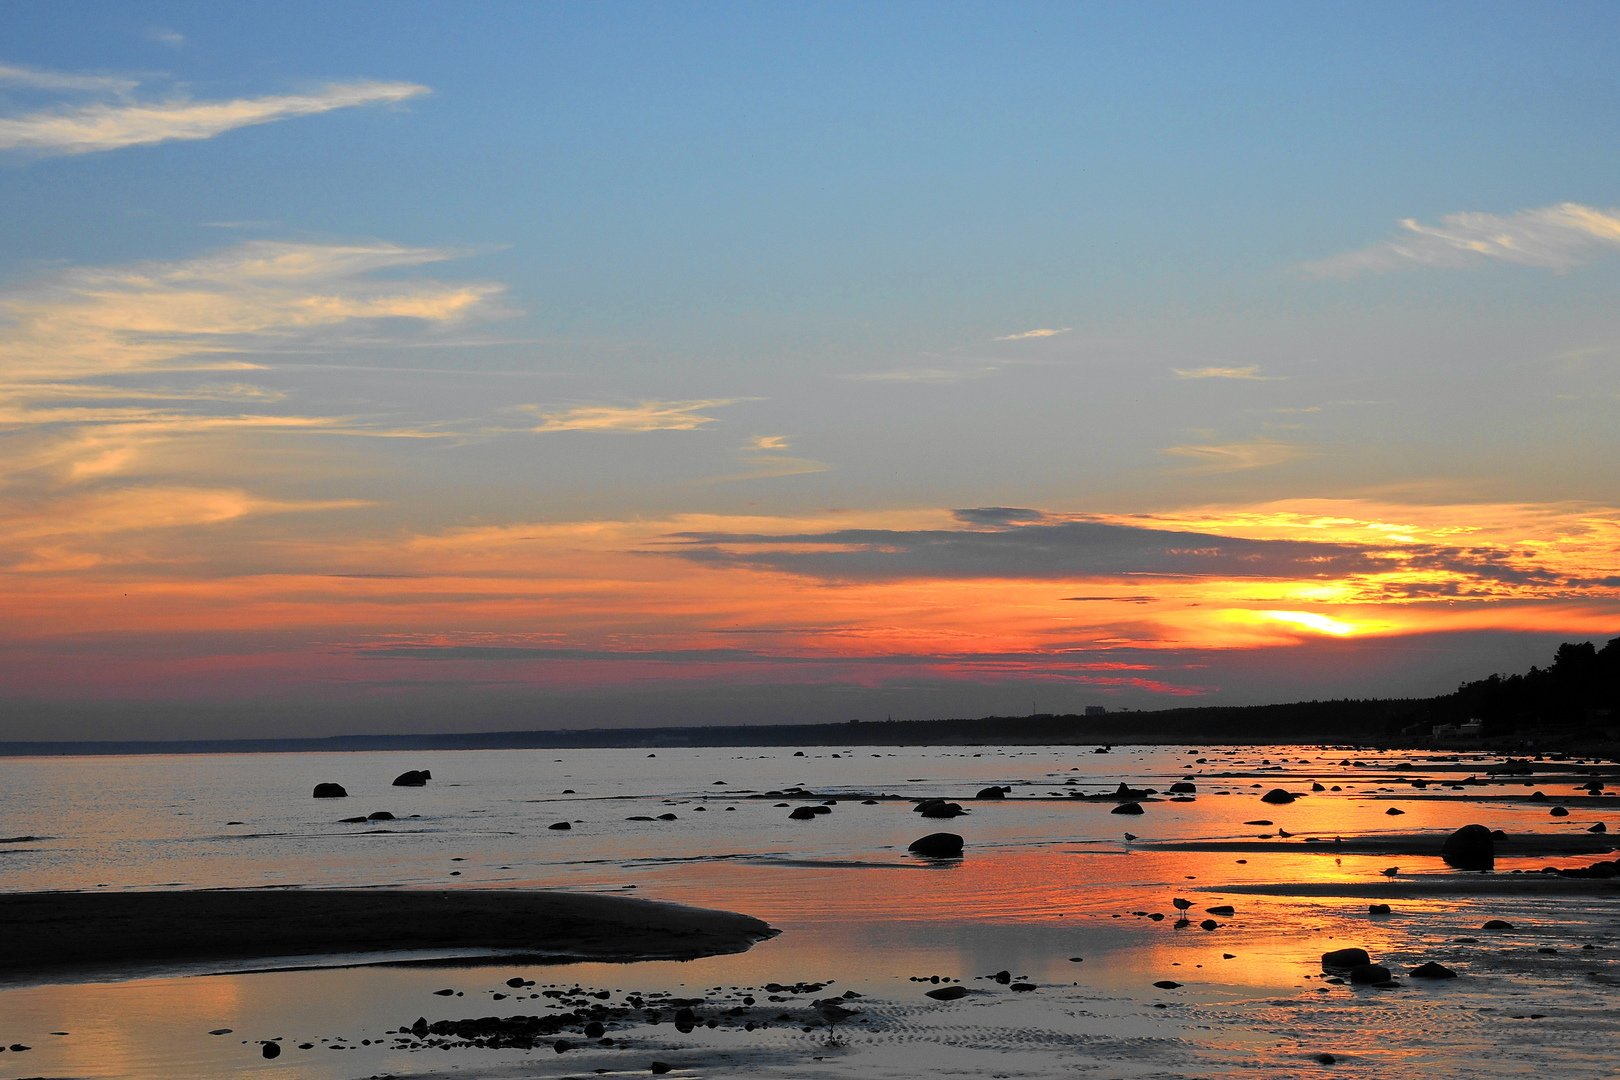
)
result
[(429, 367)]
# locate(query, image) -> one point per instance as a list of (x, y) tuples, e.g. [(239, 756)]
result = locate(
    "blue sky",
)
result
[(290, 283)]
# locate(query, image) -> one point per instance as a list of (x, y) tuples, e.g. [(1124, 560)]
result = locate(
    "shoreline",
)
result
[(52, 933)]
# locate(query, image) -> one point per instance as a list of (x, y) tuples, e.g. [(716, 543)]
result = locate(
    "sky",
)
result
[(409, 366)]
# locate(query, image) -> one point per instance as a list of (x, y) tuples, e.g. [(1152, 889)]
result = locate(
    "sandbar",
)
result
[(60, 931)]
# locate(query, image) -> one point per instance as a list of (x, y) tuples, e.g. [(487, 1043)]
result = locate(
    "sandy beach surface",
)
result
[(203, 913)]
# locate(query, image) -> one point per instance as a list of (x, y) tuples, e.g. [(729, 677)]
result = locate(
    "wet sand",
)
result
[(54, 932)]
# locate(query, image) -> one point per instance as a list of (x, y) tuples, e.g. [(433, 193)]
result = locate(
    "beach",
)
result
[(175, 917)]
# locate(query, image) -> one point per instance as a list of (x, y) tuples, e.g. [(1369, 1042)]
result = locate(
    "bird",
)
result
[(832, 1012), (1181, 905), (1390, 871), (1129, 837)]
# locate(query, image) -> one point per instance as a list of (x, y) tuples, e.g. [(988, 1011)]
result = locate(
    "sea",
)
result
[(1059, 920)]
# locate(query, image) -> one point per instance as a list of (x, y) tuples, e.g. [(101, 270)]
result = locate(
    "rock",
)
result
[(658, 1068), (948, 993), (1278, 797), (666, 817), (1021, 987), (1394, 811), (1183, 787), (1225, 911), (1342, 959), (990, 793), (560, 826), (271, 1050), (1378, 909), (379, 815), (327, 791), (1471, 847), (595, 1030), (1558, 811), (1370, 974), (1003, 976), (942, 810), (1497, 924), (1208, 924), (939, 845), (802, 813), (1127, 808), (413, 778), (1326, 1059), (1599, 827), (1167, 984), (1432, 970), (353, 820)]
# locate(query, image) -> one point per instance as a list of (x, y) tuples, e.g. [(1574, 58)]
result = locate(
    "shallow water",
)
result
[(1047, 877)]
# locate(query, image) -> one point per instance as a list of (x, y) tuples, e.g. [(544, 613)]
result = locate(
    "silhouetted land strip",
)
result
[(47, 932), (1572, 704)]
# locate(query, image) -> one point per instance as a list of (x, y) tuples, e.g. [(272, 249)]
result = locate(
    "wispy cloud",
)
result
[(1026, 335), (768, 442), (124, 121), (642, 416), (1235, 456), (1250, 372), (65, 81), (162, 35), (1552, 237)]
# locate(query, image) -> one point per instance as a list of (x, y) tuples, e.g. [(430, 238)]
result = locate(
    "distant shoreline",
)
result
[(1347, 723), (52, 933)]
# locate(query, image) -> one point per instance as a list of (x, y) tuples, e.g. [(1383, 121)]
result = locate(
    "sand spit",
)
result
[(1420, 886), (52, 932)]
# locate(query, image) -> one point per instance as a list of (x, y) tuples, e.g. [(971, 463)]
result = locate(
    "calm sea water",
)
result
[(1047, 878)]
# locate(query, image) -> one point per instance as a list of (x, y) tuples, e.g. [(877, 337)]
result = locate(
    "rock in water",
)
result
[(802, 813), (939, 845), (948, 993), (1432, 970), (560, 826), (1277, 797), (942, 810), (1370, 974), (272, 1050), (413, 778), (990, 793), (1471, 847), (1343, 959), (327, 791), (1128, 808)]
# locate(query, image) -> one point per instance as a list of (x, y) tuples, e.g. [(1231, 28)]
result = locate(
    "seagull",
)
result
[(1129, 837)]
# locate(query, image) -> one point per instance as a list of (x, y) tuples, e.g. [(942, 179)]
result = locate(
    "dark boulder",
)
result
[(1277, 797), (1471, 847), (1183, 787), (948, 993), (990, 793), (1345, 959), (939, 845), (1432, 970), (1370, 974), (413, 778), (802, 813), (379, 815), (560, 826), (330, 791), (942, 810), (1128, 808)]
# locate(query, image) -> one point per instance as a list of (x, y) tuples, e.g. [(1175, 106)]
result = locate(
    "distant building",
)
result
[(1096, 710)]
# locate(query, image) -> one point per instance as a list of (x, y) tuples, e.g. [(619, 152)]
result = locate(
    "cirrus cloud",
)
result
[(640, 417), (1556, 237), (124, 121)]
